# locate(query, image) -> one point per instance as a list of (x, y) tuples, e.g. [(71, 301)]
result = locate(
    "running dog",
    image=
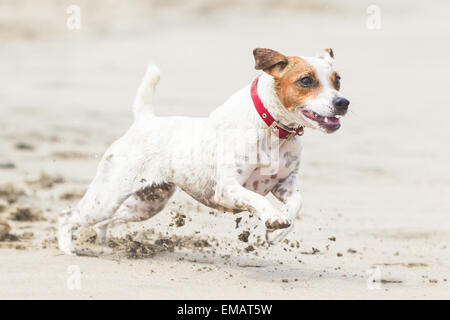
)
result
[(247, 148)]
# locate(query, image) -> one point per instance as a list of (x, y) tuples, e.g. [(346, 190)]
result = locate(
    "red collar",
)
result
[(280, 130)]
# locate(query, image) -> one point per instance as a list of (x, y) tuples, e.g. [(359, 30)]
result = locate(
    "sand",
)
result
[(375, 222)]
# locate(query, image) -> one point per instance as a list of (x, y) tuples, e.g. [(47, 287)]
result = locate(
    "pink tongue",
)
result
[(333, 120)]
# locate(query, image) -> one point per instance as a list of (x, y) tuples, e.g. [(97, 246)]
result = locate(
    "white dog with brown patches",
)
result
[(230, 161)]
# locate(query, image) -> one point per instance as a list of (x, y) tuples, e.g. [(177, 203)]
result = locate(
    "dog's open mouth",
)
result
[(329, 123)]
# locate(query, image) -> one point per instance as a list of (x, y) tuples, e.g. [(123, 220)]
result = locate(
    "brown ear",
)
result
[(330, 52), (327, 55), (269, 60)]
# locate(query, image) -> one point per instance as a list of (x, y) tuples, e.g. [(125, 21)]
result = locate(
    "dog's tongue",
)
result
[(331, 120)]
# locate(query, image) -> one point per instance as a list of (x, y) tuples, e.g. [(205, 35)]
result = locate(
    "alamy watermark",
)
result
[(374, 17), (74, 19), (73, 277)]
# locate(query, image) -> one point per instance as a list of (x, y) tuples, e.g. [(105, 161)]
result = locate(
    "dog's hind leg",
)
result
[(140, 206), (96, 206), (112, 185), (146, 203)]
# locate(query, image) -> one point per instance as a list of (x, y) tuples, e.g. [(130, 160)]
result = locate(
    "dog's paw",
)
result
[(277, 228), (275, 223)]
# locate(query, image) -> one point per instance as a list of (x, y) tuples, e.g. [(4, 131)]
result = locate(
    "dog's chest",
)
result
[(263, 179), (260, 178)]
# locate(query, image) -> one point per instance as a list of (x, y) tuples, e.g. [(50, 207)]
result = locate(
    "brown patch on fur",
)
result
[(287, 71), (155, 192), (282, 192), (330, 52), (290, 92), (267, 59), (333, 77)]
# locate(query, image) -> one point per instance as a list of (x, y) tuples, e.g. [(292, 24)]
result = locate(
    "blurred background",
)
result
[(66, 91)]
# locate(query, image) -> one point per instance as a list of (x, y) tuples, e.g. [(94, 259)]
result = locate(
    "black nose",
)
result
[(341, 105)]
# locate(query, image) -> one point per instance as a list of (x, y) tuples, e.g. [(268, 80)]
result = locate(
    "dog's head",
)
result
[(308, 88)]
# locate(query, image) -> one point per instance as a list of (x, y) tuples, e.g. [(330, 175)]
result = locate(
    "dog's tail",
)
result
[(144, 97)]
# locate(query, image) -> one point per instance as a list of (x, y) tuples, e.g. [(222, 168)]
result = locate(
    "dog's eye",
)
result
[(337, 82), (306, 82)]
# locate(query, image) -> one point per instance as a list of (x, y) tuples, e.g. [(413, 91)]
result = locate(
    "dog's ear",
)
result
[(269, 61), (327, 55)]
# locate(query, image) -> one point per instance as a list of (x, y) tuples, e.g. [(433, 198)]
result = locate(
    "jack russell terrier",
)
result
[(245, 149)]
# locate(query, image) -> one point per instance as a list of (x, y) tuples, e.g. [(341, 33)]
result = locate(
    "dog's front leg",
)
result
[(233, 195), (288, 192)]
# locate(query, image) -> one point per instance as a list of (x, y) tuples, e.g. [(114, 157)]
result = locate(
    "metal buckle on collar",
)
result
[(292, 132)]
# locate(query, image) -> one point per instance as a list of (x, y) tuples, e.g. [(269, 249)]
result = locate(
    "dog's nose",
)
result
[(341, 105)]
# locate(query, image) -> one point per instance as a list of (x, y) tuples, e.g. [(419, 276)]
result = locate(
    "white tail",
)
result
[(144, 97)]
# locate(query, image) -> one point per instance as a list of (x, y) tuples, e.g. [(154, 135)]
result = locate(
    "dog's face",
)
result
[(307, 87)]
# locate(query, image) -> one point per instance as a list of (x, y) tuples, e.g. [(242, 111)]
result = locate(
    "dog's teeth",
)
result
[(326, 119)]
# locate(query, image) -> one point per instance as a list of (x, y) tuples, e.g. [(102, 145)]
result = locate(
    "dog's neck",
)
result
[(242, 105), (271, 101)]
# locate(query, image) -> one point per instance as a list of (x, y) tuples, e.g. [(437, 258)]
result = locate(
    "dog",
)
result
[(245, 149)]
